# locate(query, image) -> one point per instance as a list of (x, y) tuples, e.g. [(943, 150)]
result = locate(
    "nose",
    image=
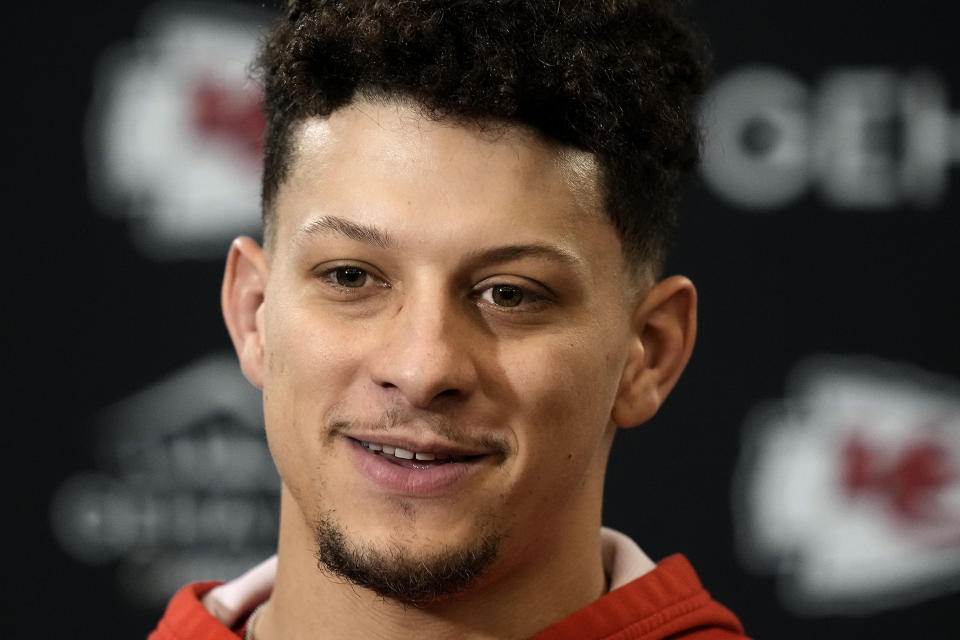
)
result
[(425, 355)]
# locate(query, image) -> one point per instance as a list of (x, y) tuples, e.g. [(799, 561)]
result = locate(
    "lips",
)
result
[(418, 469), (399, 454)]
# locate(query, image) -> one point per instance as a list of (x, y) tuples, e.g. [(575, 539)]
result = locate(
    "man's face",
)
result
[(458, 298)]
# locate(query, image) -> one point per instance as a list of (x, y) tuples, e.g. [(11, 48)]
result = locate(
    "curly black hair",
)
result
[(617, 78)]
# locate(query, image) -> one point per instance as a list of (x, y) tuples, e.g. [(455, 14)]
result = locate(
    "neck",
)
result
[(548, 579)]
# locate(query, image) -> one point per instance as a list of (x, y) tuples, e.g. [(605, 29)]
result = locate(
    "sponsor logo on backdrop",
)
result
[(175, 130), (848, 488), (863, 138), (184, 490)]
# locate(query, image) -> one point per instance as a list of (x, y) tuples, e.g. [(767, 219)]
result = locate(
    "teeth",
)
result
[(404, 454)]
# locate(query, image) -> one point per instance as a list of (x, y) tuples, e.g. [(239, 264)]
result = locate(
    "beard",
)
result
[(405, 577)]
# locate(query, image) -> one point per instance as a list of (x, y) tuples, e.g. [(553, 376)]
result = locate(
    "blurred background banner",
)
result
[(808, 462)]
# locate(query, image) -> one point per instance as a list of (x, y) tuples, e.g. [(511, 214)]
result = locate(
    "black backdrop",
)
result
[(864, 283)]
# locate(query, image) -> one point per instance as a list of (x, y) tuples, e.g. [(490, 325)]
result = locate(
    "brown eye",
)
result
[(350, 277), (506, 295)]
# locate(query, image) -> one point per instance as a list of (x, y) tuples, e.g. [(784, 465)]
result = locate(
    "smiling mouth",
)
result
[(413, 459)]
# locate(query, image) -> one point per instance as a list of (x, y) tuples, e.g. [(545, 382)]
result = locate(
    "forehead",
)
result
[(385, 164)]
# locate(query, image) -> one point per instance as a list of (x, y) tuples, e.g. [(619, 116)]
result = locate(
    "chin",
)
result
[(408, 565)]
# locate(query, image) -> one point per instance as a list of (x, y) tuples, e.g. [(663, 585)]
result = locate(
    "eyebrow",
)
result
[(335, 225), (519, 251), (373, 235)]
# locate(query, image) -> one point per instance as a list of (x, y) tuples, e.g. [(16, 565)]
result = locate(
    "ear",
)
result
[(244, 284), (665, 327)]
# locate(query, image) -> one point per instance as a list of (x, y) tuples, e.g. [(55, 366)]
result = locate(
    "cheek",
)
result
[(309, 363), (585, 369), (308, 351), (565, 390), (563, 395)]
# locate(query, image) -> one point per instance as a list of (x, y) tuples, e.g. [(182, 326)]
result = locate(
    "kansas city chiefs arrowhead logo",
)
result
[(175, 131), (849, 487)]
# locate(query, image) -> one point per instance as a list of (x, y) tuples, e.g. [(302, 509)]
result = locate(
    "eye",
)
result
[(511, 297), (351, 277), (350, 280), (505, 295)]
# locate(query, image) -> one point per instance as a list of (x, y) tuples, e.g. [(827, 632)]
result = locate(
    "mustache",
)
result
[(424, 422)]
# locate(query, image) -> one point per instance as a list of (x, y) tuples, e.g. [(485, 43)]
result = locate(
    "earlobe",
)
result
[(665, 328), (244, 286)]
